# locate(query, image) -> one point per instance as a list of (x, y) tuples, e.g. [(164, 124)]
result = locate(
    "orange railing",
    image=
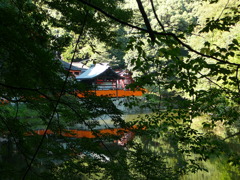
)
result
[(125, 135), (84, 133), (114, 93)]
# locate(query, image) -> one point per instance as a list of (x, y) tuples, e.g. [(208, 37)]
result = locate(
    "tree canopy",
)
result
[(185, 54)]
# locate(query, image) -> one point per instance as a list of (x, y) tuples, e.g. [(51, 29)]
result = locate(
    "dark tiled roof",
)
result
[(66, 66)]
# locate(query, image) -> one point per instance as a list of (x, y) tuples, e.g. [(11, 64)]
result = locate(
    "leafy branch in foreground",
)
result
[(185, 85)]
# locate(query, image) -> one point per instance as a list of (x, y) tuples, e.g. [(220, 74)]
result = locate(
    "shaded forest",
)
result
[(183, 54)]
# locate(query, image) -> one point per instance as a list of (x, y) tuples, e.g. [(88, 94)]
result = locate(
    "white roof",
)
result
[(93, 71)]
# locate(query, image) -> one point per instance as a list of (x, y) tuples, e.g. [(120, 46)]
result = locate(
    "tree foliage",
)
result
[(187, 77)]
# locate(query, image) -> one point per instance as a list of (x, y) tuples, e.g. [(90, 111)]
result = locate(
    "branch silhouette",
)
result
[(157, 33)]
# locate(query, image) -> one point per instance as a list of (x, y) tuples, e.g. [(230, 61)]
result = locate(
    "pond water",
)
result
[(218, 167)]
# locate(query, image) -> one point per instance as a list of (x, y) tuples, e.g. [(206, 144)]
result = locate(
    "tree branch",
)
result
[(157, 33), (57, 103), (223, 9), (147, 23), (92, 130), (156, 16), (224, 89), (235, 134), (238, 83)]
